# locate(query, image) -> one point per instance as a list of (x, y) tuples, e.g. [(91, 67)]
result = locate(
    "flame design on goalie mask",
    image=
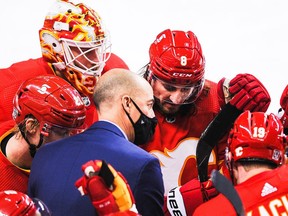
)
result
[(73, 39)]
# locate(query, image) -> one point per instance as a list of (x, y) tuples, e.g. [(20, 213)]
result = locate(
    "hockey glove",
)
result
[(245, 92), (107, 188), (185, 199)]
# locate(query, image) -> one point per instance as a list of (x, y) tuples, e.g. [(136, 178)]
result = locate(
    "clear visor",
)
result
[(176, 94), (87, 57)]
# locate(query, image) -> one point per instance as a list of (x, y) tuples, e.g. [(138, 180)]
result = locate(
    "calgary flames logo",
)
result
[(179, 164)]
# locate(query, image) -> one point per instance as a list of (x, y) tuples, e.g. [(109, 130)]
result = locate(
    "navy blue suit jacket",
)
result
[(57, 166)]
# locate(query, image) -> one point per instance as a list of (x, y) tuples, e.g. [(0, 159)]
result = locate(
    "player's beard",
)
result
[(166, 108), (169, 109)]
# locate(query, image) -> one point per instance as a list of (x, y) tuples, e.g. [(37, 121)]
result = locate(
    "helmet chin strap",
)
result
[(32, 147)]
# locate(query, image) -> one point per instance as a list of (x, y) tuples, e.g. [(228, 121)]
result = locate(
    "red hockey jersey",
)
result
[(12, 177), (263, 194), (13, 76), (176, 139)]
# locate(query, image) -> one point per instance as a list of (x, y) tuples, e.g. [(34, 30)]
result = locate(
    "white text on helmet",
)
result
[(183, 60), (160, 38), (175, 74), (259, 132)]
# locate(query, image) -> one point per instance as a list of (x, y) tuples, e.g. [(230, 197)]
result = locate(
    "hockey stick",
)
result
[(225, 187), (210, 137)]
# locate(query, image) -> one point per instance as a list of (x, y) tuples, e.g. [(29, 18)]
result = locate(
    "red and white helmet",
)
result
[(52, 101), (74, 40), (14, 203), (257, 136), (176, 58)]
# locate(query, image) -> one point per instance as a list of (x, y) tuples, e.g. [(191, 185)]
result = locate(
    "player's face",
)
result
[(169, 98)]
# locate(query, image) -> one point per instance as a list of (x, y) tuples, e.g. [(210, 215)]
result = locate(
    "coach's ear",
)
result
[(126, 103)]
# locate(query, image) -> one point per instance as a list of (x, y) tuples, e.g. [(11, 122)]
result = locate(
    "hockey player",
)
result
[(186, 102), (255, 154), (75, 46), (46, 108)]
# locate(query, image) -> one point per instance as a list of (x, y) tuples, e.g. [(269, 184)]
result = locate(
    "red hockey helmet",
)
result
[(52, 101), (14, 203), (257, 136), (74, 40), (176, 58)]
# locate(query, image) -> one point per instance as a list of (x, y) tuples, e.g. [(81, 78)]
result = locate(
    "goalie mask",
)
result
[(74, 40)]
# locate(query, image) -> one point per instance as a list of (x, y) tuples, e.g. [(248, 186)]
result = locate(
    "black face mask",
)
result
[(144, 127)]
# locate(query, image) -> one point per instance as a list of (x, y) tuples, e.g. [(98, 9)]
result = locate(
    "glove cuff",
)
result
[(175, 202), (224, 95), (106, 205)]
